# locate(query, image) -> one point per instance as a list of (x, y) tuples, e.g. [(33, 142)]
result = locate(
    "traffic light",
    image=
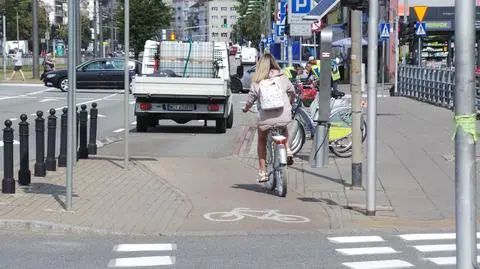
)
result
[(225, 25), (173, 36)]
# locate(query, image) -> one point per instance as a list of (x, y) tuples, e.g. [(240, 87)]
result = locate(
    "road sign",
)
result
[(420, 29), (283, 6), (279, 30), (316, 26), (385, 30), (298, 9), (420, 11), (301, 29)]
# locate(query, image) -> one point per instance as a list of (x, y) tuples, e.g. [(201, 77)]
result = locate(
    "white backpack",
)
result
[(271, 96)]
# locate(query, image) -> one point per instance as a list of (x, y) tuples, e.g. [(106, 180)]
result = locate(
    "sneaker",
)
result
[(262, 176)]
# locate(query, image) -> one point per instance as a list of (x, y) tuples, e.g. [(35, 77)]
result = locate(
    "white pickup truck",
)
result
[(183, 81)]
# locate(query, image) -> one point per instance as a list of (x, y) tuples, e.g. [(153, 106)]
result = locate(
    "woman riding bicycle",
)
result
[(268, 72)]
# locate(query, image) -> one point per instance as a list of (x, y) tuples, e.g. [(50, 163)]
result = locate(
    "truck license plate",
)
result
[(180, 107)]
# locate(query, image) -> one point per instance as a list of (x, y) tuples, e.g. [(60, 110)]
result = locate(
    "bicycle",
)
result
[(267, 214), (276, 161)]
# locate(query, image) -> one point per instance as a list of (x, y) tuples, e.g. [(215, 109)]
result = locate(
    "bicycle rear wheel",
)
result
[(281, 175)]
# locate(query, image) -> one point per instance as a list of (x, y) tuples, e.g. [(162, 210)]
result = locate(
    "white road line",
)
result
[(86, 102), (48, 100), (356, 239), (366, 251), (99, 116), (144, 247), (22, 85), (433, 248), (432, 236), (13, 119), (142, 261), (134, 123), (384, 264), (445, 260), (119, 130), (132, 102), (15, 142), (22, 95)]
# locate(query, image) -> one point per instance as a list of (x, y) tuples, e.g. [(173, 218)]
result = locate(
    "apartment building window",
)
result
[(224, 17), (224, 8), (224, 34), (233, 9), (214, 17), (215, 34), (214, 8), (233, 17)]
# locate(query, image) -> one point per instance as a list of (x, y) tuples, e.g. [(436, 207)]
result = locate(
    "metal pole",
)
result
[(372, 106), (112, 26), (95, 30), (290, 50), (405, 11), (465, 151), (355, 89), (383, 66), (127, 80), (78, 19), (100, 28), (36, 41), (4, 53), (397, 53), (72, 114), (419, 54), (18, 33)]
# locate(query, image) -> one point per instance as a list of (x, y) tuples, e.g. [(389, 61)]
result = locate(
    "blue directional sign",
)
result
[(283, 7), (269, 40), (280, 30), (385, 31), (420, 29), (301, 6)]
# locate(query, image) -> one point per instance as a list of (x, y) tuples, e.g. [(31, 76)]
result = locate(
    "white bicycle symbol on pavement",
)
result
[(267, 214)]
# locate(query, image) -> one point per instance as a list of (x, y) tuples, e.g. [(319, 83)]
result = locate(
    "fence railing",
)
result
[(430, 85)]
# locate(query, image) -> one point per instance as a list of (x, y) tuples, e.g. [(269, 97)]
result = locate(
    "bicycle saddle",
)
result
[(337, 94)]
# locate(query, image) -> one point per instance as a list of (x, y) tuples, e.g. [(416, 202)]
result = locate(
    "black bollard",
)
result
[(40, 169), (62, 158), (24, 174), (83, 150), (51, 162), (78, 133), (8, 183), (92, 144)]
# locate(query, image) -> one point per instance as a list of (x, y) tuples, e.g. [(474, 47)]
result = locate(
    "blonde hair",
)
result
[(266, 63)]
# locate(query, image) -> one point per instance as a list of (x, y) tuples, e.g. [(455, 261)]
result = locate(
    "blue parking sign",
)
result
[(301, 6)]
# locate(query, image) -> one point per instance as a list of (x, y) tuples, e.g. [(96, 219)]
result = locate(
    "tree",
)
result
[(147, 18), (245, 28), (25, 20)]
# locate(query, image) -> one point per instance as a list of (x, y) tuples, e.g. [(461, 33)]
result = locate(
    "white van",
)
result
[(249, 55)]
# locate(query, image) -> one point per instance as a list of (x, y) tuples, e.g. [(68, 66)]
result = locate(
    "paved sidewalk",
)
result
[(106, 199)]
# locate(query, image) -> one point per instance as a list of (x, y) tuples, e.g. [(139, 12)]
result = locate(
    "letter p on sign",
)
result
[(301, 6)]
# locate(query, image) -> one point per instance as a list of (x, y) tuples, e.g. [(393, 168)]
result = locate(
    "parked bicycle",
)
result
[(340, 124)]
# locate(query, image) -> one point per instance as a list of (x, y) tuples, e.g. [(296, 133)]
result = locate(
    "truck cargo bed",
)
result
[(155, 86)]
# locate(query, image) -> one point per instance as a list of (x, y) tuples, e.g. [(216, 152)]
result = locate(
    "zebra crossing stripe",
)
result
[(380, 264), (355, 239), (431, 236), (142, 261), (434, 248), (144, 247), (366, 251), (445, 260)]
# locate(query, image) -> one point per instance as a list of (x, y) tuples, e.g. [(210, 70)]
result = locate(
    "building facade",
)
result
[(221, 16)]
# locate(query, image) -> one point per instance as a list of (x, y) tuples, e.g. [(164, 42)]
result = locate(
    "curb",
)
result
[(108, 140), (43, 226), (22, 84), (242, 140)]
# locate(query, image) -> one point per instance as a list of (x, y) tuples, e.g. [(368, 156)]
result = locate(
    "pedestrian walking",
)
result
[(18, 64)]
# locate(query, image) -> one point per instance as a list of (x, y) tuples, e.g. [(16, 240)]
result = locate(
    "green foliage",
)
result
[(25, 19), (147, 18), (251, 26)]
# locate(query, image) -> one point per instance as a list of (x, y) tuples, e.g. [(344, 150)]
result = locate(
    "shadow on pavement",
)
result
[(46, 188), (180, 129), (336, 180), (252, 187), (331, 203)]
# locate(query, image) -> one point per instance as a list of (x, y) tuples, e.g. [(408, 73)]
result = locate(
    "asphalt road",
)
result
[(22, 250), (28, 99)]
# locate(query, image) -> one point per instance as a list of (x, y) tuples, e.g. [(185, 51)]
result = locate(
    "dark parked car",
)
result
[(101, 73)]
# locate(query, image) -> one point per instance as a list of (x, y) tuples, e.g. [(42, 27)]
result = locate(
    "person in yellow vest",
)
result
[(335, 75), (290, 72)]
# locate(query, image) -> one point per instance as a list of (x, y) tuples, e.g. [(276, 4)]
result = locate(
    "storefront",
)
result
[(438, 47)]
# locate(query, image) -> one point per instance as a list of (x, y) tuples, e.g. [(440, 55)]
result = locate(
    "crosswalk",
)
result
[(397, 251), (143, 261)]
